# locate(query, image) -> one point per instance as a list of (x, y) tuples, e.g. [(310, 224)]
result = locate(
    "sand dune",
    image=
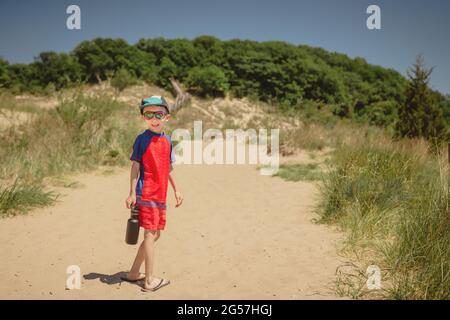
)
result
[(238, 235)]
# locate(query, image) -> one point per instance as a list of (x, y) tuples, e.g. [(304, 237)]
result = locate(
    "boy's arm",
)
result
[(172, 182), (178, 195), (134, 174)]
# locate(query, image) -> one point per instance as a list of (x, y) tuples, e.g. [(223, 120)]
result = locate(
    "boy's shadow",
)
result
[(109, 279)]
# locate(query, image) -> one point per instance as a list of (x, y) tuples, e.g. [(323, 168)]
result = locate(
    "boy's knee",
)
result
[(150, 234)]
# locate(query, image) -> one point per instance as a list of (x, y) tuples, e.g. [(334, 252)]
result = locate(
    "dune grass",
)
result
[(18, 198), (8, 102), (299, 172), (78, 135), (392, 198)]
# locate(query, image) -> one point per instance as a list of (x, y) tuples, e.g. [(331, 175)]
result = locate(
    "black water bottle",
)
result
[(132, 234)]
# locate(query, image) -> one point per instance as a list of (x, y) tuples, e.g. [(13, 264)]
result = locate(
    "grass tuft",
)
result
[(17, 198)]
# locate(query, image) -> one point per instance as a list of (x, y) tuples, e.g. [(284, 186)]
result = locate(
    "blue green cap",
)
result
[(154, 101)]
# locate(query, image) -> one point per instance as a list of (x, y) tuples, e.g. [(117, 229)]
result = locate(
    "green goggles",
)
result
[(158, 115)]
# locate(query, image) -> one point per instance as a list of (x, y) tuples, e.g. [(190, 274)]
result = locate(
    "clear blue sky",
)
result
[(409, 27)]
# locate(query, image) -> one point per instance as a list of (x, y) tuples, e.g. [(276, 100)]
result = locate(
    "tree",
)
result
[(207, 81), (101, 57), (22, 77), (419, 116), (141, 63), (167, 70), (4, 74), (183, 54), (61, 69), (122, 79), (209, 50), (271, 71), (158, 47)]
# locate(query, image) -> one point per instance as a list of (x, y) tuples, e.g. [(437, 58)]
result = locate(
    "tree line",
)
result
[(277, 72)]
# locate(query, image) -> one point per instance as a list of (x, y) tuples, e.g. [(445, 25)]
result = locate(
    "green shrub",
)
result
[(207, 81), (122, 79)]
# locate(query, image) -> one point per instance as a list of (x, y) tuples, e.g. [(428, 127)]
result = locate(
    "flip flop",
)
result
[(123, 278), (160, 285)]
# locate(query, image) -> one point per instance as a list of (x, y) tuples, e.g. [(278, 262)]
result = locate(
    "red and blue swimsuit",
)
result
[(154, 153)]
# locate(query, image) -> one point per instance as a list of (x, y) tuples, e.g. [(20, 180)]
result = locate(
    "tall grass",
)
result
[(79, 134), (393, 199), (18, 198), (299, 172)]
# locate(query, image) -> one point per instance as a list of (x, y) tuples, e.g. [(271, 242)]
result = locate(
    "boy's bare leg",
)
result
[(151, 282), (139, 260), (149, 241), (134, 272)]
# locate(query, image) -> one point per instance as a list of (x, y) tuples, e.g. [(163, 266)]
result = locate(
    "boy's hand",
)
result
[(179, 198), (131, 201)]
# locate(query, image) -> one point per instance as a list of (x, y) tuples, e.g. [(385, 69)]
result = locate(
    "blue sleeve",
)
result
[(137, 150)]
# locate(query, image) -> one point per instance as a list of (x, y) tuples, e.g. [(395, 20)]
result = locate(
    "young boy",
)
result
[(152, 161)]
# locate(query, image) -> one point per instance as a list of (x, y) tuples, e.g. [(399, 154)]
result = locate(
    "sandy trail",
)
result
[(238, 235)]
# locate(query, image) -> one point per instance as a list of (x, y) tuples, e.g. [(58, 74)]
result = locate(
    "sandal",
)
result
[(161, 284)]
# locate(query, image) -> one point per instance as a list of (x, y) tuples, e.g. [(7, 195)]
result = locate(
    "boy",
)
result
[(152, 161)]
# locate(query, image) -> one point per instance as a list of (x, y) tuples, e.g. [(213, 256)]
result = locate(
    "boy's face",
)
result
[(151, 114)]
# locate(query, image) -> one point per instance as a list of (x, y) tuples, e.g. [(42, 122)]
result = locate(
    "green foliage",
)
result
[(100, 57), (419, 116), (4, 74), (207, 81), (62, 70), (274, 71), (20, 197), (22, 78), (166, 71), (158, 47), (209, 50), (122, 79), (382, 113), (299, 172)]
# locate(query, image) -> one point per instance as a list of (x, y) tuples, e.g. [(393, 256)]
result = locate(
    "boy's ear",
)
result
[(167, 117)]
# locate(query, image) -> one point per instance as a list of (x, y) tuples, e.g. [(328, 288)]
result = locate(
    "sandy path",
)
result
[(238, 235)]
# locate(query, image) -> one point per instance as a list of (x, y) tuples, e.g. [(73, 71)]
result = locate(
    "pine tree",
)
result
[(419, 116)]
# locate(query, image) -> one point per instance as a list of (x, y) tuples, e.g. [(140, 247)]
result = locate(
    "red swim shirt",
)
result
[(154, 153)]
